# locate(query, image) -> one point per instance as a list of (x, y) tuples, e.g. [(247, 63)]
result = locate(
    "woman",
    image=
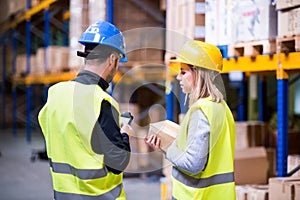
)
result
[(203, 152)]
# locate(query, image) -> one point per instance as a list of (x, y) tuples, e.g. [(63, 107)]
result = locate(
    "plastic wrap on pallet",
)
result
[(58, 59), (217, 24), (83, 14), (254, 20), (180, 24), (96, 10), (77, 27)]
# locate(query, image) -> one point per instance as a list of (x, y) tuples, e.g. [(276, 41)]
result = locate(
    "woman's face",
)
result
[(185, 79)]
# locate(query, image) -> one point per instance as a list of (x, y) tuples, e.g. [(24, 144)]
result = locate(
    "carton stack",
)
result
[(293, 162), (254, 25), (21, 65), (251, 134), (284, 188), (249, 28), (255, 161), (251, 166), (54, 59), (185, 21), (217, 23), (84, 13), (252, 192), (288, 25), (142, 29)]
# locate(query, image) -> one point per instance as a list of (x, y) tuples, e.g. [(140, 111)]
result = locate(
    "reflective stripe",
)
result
[(202, 182), (80, 173), (110, 195)]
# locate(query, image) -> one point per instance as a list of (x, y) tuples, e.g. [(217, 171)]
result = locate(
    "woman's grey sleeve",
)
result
[(194, 159)]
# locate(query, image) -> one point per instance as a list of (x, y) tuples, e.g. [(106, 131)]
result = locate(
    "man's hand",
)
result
[(126, 128)]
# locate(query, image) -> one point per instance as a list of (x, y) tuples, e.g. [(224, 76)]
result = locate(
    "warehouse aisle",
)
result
[(21, 179)]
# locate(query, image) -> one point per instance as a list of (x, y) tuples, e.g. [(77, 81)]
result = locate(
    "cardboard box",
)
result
[(293, 162), (218, 29), (57, 58), (251, 166), (288, 22), (251, 134), (272, 161), (252, 192), (166, 130), (283, 4), (286, 188)]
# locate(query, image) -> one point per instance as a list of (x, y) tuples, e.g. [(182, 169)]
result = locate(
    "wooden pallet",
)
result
[(252, 48), (288, 44)]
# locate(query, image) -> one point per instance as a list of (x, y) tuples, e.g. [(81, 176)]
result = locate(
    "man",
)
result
[(88, 151)]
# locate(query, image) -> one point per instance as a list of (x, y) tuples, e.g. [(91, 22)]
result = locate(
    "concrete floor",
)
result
[(22, 179)]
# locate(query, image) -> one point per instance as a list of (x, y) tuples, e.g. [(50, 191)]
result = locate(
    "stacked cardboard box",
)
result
[(231, 22), (21, 65), (252, 192), (251, 134), (84, 13), (293, 162), (185, 21), (54, 59), (143, 30), (251, 166), (287, 188), (217, 23), (288, 22), (286, 4)]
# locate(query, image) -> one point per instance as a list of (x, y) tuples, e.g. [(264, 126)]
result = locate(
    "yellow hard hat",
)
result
[(200, 54)]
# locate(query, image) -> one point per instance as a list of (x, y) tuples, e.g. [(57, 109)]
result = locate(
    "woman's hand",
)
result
[(153, 141)]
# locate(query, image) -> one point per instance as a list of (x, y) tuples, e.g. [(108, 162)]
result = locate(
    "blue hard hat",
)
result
[(105, 33)]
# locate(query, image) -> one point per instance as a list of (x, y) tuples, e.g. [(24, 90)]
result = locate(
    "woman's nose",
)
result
[(178, 77)]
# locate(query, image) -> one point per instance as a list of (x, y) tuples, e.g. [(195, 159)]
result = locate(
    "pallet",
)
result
[(288, 44), (252, 48)]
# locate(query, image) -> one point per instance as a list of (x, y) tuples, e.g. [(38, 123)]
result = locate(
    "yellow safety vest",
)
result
[(67, 121), (216, 181)]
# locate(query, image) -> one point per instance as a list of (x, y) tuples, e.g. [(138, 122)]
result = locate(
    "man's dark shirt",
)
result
[(106, 137)]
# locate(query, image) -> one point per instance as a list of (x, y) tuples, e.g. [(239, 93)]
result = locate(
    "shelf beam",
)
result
[(263, 63)]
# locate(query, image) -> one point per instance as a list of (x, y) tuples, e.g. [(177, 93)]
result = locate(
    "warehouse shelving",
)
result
[(30, 79), (282, 64)]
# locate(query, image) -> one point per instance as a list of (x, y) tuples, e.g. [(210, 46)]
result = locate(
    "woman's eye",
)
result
[(182, 72)]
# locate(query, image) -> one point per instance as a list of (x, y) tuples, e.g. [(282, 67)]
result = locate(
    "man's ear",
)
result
[(112, 58)]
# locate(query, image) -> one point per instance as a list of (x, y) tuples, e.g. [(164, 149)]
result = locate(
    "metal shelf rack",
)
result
[(44, 8)]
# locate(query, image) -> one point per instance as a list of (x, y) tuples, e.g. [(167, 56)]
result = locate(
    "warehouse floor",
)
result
[(20, 178)]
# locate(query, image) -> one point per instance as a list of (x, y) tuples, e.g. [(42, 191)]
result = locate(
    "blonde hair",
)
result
[(204, 85)]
